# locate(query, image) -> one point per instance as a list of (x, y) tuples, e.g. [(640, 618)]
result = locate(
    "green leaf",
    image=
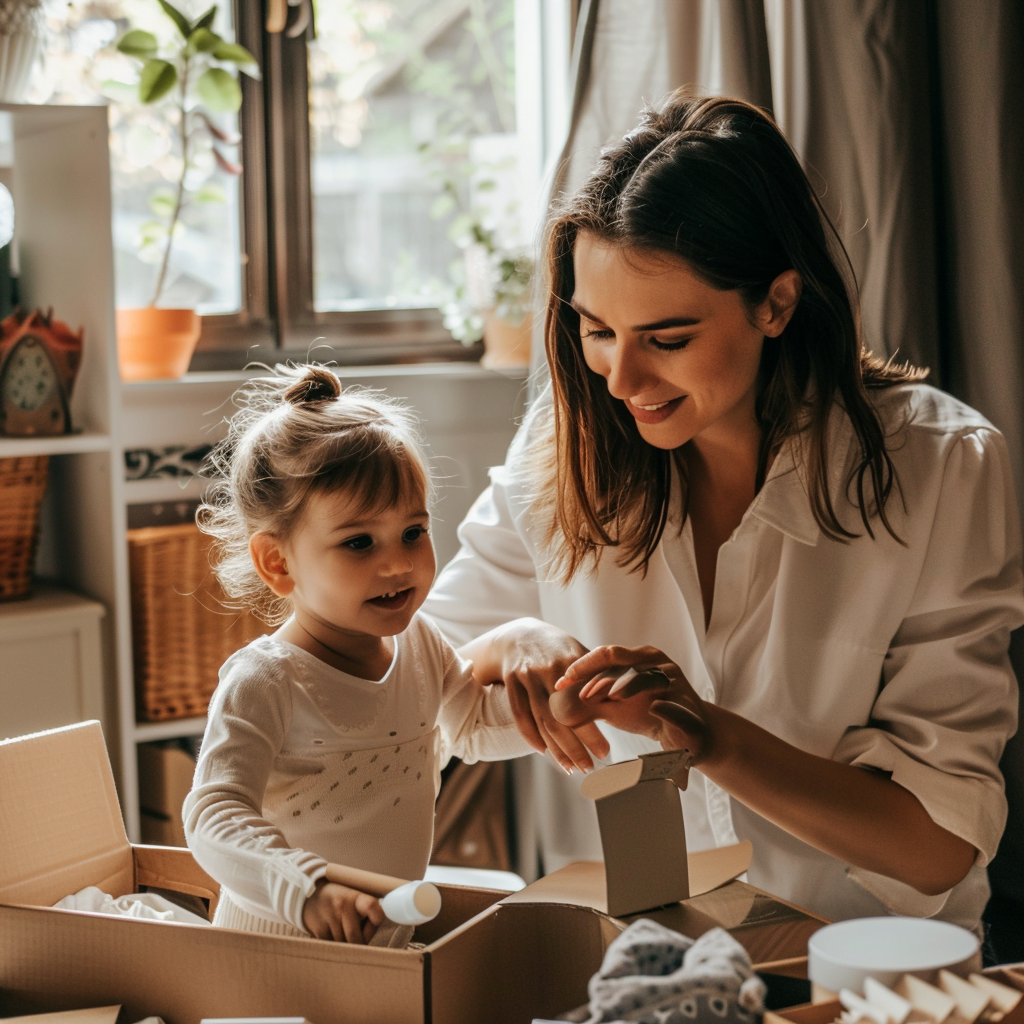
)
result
[(206, 20), (152, 232), (203, 40), (119, 92), (237, 54), (158, 78), (161, 202), (460, 231), (211, 192), (442, 206), (138, 43), (220, 91), (177, 17)]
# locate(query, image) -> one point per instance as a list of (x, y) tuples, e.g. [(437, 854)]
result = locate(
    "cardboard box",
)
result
[(828, 1010), (165, 778), (485, 958)]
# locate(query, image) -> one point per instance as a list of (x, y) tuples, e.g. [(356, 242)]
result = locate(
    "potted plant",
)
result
[(194, 80), (491, 295)]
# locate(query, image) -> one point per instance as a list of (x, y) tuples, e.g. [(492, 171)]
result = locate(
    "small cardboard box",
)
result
[(165, 778), (484, 958)]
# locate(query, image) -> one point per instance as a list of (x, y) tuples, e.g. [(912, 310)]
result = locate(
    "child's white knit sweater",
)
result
[(303, 764)]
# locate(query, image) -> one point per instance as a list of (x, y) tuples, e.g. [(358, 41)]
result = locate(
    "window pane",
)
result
[(204, 268), (412, 129)]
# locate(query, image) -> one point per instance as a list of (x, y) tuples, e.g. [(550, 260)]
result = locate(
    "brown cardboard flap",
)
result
[(95, 1015), (806, 1013), (711, 868), (171, 867), (59, 960), (614, 778), (518, 962), (60, 821), (582, 883)]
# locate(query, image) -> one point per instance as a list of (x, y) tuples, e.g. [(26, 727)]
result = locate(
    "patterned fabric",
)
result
[(653, 975), (177, 460), (368, 798)]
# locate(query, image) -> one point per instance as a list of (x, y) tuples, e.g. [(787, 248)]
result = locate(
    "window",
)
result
[(381, 133)]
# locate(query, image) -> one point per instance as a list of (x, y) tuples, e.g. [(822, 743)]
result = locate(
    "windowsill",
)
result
[(353, 374)]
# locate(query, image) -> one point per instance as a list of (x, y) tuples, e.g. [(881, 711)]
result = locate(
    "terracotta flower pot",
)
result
[(155, 344), (505, 344)]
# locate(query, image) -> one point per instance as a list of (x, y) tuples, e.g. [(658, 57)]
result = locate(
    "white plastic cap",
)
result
[(412, 903)]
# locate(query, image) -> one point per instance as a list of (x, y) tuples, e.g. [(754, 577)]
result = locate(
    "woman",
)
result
[(820, 552)]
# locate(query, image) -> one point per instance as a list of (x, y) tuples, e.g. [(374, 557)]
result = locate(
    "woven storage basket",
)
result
[(22, 483), (181, 633)]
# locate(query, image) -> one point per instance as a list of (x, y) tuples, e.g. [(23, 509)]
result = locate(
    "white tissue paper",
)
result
[(146, 905)]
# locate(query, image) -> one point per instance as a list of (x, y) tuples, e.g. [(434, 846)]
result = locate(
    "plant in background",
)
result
[(193, 76), (489, 279)]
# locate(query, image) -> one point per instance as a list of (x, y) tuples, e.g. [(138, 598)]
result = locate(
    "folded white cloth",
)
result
[(653, 975), (147, 905)]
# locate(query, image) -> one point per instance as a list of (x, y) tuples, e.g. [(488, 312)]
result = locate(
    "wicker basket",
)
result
[(181, 633), (22, 483)]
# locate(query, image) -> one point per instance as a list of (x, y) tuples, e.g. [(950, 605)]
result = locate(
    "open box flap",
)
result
[(60, 821), (615, 778), (583, 883), (95, 1015)]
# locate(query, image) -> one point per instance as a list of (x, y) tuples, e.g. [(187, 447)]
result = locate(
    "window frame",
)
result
[(278, 319), (225, 334)]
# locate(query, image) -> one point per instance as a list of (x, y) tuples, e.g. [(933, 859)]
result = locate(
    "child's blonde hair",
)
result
[(296, 433)]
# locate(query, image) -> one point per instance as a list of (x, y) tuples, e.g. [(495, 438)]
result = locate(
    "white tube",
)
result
[(412, 903)]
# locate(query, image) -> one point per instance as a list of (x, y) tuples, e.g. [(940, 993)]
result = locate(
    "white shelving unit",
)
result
[(58, 172), (60, 179)]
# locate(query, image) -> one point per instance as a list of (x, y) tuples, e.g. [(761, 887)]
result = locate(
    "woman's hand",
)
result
[(340, 914), (637, 689), (528, 656), (861, 817)]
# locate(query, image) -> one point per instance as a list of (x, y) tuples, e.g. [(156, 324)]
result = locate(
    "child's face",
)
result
[(360, 573)]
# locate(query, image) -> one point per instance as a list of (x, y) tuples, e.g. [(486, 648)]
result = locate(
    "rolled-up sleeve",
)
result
[(948, 697)]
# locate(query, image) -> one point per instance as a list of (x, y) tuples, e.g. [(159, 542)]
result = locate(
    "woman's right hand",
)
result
[(340, 914), (529, 656)]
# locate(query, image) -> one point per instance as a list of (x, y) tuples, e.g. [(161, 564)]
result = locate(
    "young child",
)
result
[(325, 740)]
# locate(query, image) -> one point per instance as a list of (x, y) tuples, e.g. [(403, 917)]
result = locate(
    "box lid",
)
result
[(672, 765), (60, 821)]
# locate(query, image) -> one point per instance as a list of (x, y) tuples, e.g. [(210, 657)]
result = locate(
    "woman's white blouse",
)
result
[(880, 654)]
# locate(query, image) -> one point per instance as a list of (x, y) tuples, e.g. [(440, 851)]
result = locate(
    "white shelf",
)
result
[(62, 444), (456, 371), (149, 732), (165, 489), (49, 601)]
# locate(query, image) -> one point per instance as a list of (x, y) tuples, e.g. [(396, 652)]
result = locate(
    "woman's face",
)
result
[(682, 355)]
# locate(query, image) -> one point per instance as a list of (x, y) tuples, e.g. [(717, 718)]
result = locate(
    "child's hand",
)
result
[(340, 914), (655, 699)]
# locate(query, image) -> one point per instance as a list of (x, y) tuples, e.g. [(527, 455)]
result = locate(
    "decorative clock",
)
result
[(39, 359)]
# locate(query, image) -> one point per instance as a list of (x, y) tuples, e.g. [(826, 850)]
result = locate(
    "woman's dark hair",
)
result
[(714, 182)]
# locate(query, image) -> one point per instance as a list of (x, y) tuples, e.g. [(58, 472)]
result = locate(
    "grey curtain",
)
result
[(906, 114)]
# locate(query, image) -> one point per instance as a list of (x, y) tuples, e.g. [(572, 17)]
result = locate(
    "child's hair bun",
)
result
[(317, 385)]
